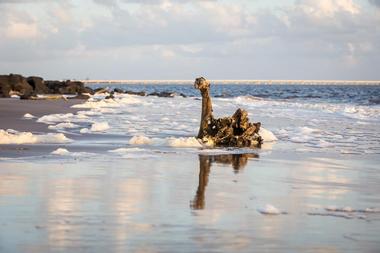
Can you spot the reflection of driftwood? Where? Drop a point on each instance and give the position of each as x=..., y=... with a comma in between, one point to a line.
x=238, y=161
x=234, y=131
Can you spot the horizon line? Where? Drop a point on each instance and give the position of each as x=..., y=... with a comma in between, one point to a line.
x=236, y=81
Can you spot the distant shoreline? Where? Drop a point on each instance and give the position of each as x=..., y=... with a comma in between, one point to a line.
x=236, y=82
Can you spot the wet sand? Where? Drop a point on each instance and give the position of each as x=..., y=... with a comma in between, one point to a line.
x=189, y=203
x=13, y=110
x=11, y=115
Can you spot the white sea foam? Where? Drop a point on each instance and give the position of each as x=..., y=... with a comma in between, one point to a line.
x=119, y=101
x=65, y=152
x=28, y=116
x=63, y=126
x=163, y=122
x=270, y=210
x=190, y=142
x=60, y=151
x=96, y=128
x=140, y=140
x=84, y=130
x=14, y=137
x=179, y=142
x=55, y=118
x=267, y=135
x=99, y=127
x=127, y=150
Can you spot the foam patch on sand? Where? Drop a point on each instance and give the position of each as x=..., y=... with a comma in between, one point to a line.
x=14, y=137
x=270, y=210
x=54, y=118
x=28, y=116
x=181, y=142
x=60, y=151
x=96, y=127
x=65, y=152
x=140, y=140
x=63, y=126
x=99, y=127
x=119, y=101
x=267, y=135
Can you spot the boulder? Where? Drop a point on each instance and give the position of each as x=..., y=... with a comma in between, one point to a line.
x=67, y=87
x=137, y=93
x=16, y=83
x=165, y=94
x=38, y=84
x=118, y=90
x=71, y=87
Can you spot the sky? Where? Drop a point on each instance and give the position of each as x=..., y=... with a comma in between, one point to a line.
x=183, y=39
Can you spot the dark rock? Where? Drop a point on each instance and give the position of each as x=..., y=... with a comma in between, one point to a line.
x=54, y=86
x=15, y=83
x=165, y=94
x=38, y=84
x=118, y=90
x=67, y=87
x=137, y=93
x=71, y=87
x=26, y=87
x=88, y=90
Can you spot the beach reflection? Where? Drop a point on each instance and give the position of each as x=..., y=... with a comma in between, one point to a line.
x=237, y=161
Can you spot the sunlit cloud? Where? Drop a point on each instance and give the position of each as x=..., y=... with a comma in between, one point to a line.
x=271, y=41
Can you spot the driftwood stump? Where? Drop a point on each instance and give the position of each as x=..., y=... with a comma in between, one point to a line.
x=234, y=131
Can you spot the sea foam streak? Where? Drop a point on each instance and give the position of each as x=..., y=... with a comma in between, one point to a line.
x=269, y=209
x=14, y=137
x=181, y=142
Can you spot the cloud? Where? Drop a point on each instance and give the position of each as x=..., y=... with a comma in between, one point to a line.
x=375, y=2
x=172, y=39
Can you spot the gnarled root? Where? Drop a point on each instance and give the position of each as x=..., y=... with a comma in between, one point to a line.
x=234, y=131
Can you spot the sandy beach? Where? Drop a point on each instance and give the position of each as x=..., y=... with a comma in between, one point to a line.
x=12, y=112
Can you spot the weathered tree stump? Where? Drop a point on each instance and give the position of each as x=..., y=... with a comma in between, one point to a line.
x=234, y=131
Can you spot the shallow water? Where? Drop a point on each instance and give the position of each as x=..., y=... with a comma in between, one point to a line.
x=190, y=203
x=133, y=179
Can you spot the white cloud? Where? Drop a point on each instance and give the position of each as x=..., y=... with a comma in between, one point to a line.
x=21, y=31
x=328, y=8
x=224, y=37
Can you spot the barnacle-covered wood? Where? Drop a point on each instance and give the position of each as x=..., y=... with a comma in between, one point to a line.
x=234, y=131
